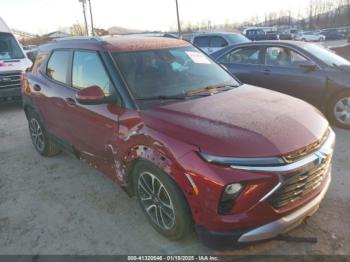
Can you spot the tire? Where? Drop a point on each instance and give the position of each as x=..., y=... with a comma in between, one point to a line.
x=42, y=143
x=165, y=206
x=339, y=109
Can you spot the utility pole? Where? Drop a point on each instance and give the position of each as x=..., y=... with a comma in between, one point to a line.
x=92, y=22
x=178, y=20
x=83, y=2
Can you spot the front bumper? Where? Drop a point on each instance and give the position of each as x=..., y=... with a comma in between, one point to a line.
x=266, y=231
x=288, y=222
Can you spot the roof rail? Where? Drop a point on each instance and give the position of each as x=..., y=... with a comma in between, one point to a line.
x=72, y=38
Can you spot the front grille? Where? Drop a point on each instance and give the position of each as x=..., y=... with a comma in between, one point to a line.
x=10, y=80
x=300, y=153
x=297, y=185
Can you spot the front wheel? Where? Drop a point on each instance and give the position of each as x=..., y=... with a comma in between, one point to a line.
x=162, y=201
x=339, y=110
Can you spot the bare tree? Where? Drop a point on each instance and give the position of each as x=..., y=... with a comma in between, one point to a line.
x=77, y=30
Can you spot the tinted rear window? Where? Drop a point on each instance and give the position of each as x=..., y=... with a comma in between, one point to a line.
x=57, y=67
x=9, y=48
x=201, y=41
x=217, y=41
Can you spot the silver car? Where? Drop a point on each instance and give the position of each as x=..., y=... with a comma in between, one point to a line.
x=214, y=41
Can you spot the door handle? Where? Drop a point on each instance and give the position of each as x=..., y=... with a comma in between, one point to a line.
x=37, y=87
x=70, y=101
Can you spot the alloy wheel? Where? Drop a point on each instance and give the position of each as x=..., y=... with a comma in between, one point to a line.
x=156, y=201
x=37, y=135
x=342, y=110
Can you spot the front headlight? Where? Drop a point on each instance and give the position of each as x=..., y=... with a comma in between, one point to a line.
x=242, y=161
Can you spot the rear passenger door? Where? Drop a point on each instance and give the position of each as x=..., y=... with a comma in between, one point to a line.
x=50, y=90
x=245, y=63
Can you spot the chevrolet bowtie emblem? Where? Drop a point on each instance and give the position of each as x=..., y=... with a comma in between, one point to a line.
x=322, y=157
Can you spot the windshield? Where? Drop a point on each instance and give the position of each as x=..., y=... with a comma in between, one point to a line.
x=326, y=56
x=170, y=72
x=9, y=48
x=237, y=38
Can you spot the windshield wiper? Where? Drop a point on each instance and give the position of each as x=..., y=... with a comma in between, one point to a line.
x=177, y=97
x=210, y=90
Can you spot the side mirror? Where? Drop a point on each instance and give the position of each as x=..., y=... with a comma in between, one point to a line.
x=308, y=66
x=32, y=55
x=92, y=95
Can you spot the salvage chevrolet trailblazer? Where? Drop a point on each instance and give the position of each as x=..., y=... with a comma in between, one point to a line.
x=198, y=148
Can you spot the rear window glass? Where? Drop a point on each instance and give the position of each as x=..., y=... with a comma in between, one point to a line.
x=201, y=41
x=217, y=41
x=9, y=48
x=57, y=67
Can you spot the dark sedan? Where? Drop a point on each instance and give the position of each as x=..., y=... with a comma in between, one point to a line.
x=303, y=70
x=332, y=34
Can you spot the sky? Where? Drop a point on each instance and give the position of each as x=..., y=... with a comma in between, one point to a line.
x=44, y=16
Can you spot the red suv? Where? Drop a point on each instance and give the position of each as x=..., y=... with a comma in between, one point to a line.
x=174, y=128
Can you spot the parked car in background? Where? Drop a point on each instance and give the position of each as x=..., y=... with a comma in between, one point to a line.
x=303, y=70
x=30, y=48
x=310, y=37
x=13, y=62
x=332, y=34
x=212, y=42
x=343, y=51
x=284, y=35
x=175, y=129
x=260, y=34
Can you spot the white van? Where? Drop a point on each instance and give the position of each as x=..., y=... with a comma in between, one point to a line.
x=13, y=61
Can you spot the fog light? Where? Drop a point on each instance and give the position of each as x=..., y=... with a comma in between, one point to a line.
x=229, y=194
x=233, y=189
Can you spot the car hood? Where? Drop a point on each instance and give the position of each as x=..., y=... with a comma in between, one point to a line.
x=244, y=122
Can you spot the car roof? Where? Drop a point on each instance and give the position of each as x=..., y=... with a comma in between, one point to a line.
x=273, y=42
x=128, y=43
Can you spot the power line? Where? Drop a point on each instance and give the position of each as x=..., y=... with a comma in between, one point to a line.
x=84, y=12
x=178, y=20
x=91, y=20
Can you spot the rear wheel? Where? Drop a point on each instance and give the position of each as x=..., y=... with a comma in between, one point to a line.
x=339, y=110
x=162, y=201
x=41, y=141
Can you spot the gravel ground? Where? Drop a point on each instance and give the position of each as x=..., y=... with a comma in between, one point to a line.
x=60, y=205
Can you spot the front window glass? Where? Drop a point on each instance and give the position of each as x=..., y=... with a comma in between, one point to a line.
x=281, y=56
x=170, y=72
x=9, y=48
x=326, y=56
x=88, y=71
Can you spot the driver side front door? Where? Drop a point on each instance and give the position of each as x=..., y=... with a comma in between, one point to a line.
x=93, y=128
x=282, y=72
